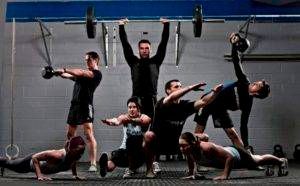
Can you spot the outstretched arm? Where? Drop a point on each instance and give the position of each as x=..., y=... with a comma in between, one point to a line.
x=124, y=119
x=181, y=92
x=162, y=47
x=73, y=73
x=208, y=98
x=239, y=72
x=127, y=49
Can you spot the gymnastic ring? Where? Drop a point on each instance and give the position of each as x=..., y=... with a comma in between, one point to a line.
x=11, y=146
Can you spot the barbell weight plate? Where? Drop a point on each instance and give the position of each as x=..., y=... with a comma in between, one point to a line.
x=197, y=21
x=90, y=23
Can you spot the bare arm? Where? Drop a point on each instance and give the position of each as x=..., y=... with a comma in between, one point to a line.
x=143, y=120
x=191, y=167
x=73, y=73
x=227, y=158
x=74, y=172
x=42, y=156
x=181, y=92
x=123, y=119
x=208, y=98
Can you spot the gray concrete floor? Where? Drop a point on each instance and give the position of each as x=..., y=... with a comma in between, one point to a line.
x=171, y=175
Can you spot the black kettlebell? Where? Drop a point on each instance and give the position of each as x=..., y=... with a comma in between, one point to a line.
x=48, y=72
x=278, y=152
x=297, y=152
x=241, y=44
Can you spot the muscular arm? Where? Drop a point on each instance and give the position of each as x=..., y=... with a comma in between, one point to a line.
x=73, y=73
x=143, y=120
x=127, y=49
x=123, y=119
x=208, y=98
x=222, y=155
x=42, y=156
x=181, y=92
x=239, y=72
x=162, y=47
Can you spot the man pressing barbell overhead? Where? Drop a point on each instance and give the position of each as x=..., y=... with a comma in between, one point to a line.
x=82, y=109
x=145, y=69
x=235, y=96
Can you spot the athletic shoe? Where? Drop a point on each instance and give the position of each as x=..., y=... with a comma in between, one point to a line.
x=283, y=169
x=156, y=168
x=150, y=175
x=128, y=173
x=93, y=168
x=103, y=164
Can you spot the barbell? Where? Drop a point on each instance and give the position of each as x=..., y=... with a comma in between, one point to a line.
x=91, y=21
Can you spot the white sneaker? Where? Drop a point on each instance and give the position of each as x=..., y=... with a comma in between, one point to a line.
x=93, y=168
x=128, y=173
x=156, y=168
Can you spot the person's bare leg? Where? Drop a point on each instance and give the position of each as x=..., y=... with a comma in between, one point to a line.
x=71, y=131
x=91, y=142
x=234, y=137
x=148, y=144
x=267, y=159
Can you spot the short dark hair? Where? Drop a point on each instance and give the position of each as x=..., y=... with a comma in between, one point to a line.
x=144, y=41
x=93, y=55
x=188, y=137
x=136, y=100
x=168, y=84
x=264, y=91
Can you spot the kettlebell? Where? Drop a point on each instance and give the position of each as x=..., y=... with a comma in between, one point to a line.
x=48, y=72
x=297, y=152
x=278, y=152
x=241, y=44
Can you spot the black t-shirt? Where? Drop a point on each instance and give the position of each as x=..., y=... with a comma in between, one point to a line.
x=84, y=88
x=168, y=124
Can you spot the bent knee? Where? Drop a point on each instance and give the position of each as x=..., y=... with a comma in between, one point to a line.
x=149, y=136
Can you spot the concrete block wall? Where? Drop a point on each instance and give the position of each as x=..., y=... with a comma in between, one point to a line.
x=41, y=106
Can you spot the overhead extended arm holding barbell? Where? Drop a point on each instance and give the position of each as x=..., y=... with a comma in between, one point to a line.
x=91, y=21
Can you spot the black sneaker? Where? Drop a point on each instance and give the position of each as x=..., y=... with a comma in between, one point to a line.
x=103, y=164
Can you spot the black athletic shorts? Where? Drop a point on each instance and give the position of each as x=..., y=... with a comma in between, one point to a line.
x=134, y=149
x=221, y=118
x=80, y=113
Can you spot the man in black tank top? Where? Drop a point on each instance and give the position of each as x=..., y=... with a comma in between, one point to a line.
x=82, y=109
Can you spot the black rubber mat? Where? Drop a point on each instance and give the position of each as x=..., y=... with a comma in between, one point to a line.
x=171, y=174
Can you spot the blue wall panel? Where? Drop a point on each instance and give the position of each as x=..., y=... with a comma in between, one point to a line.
x=75, y=10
